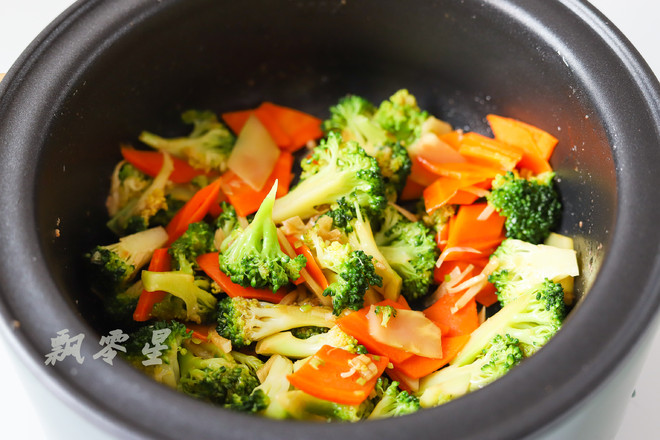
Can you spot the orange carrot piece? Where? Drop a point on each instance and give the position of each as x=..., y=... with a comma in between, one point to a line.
x=421, y=173
x=300, y=127
x=150, y=163
x=453, y=138
x=161, y=261
x=237, y=119
x=536, y=164
x=357, y=325
x=463, y=322
x=412, y=190
x=194, y=210
x=523, y=135
x=199, y=331
x=460, y=170
x=467, y=230
x=209, y=264
x=322, y=376
x=268, y=118
x=312, y=266
x=444, y=189
x=417, y=366
x=490, y=152
x=245, y=199
x=487, y=297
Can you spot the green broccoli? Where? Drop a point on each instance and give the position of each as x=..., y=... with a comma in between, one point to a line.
x=255, y=258
x=520, y=266
x=300, y=405
x=127, y=183
x=360, y=236
x=350, y=272
x=207, y=147
x=531, y=207
x=394, y=403
x=244, y=321
x=197, y=240
x=410, y=249
x=221, y=381
x=286, y=344
x=227, y=220
x=338, y=170
x=199, y=304
x=438, y=218
x=120, y=306
x=353, y=118
x=136, y=213
x=401, y=116
x=497, y=357
x=113, y=267
x=154, y=349
x=274, y=384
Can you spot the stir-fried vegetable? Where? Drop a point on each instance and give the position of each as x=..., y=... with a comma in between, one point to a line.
x=359, y=293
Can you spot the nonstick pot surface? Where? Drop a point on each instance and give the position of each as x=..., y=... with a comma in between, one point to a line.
x=107, y=70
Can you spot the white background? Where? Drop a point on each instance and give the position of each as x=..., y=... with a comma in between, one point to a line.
x=22, y=20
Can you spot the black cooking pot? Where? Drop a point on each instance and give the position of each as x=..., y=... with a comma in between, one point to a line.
x=104, y=71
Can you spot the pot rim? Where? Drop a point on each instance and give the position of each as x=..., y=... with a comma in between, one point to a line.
x=619, y=328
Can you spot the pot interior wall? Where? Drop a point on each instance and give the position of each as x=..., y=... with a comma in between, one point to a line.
x=216, y=55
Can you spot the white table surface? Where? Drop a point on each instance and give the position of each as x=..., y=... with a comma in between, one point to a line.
x=21, y=21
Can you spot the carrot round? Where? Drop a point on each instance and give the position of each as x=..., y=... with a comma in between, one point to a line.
x=160, y=262
x=326, y=376
x=209, y=264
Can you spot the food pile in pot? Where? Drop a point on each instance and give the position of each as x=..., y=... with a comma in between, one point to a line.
x=400, y=265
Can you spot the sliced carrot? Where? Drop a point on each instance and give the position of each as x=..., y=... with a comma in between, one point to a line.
x=194, y=210
x=161, y=261
x=460, y=170
x=326, y=376
x=445, y=189
x=412, y=190
x=453, y=138
x=488, y=296
x=199, y=331
x=417, y=366
x=483, y=150
x=245, y=199
x=466, y=230
x=290, y=129
x=357, y=325
x=463, y=322
x=209, y=264
x=237, y=119
x=312, y=266
x=523, y=135
x=536, y=164
x=150, y=163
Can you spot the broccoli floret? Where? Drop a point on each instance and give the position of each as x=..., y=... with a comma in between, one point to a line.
x=127, y=184
x=199, y=304
x=410, y=249
x=520, y=266
x=532, y=318
x=154, y=350
x=300, y=405
x=394, y=403
x=120, y=307
x=274, y=384
x=227, y=220
x=401, y=116
x=222, y=381
x=255, y=258
x=438, y=218
x=207, y=147
x=341, y=170
x=163, y=216
x=350, y=272
x=197, y=240
x=498, y=357
x=360, y=236
x=113, y=267
x=286, y=344
x=531, y=207
x=244, y=320
x=137, y=211
x=353, y=119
